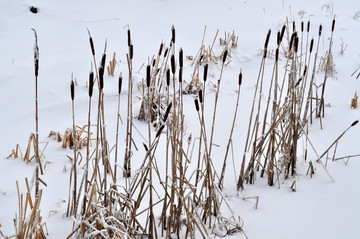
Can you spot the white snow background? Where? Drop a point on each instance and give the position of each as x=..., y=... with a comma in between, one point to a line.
x=319, y=208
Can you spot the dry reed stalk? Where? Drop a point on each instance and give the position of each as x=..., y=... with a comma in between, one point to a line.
x=117, y=127
x=221, y=180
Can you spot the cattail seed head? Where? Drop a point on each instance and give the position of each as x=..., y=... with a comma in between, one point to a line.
x=36, y=67
x=265, y=53
x=282, y=32
x=159, y=131
x=294, y=27
x=72, y=90
x=320, y=30
x=206, y=67
x=91, y=83
x=277, y=55
x=180, y=74
x=168, y=77
x=92, y=46
x=333, y=25
x=181, y=53
x=302, y=26
x=167, y=112
x=225, y=55
x=278, y=38
x=148, y=75
x=173, y=34
x=201, y=96
x=305, y=70
x=354, y=123
x=173, y=67
x=196, y=105
x=101, y=77
x=166, y=52
x=103, y=61
x=240, y=78
x=120, y=83
x=145, y=147
x=296, y=44
x=308, y=26
x=131, y=51
x=292, y=39
x=311, y=44
x=267, y=38
x=153, y=63
x=129, y=37
x=161, y=48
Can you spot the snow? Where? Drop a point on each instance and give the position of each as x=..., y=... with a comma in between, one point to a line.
x=319, y=208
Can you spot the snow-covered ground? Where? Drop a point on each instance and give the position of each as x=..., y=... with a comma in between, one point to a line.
x=319, y=208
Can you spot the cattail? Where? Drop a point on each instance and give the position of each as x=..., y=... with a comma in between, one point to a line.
x=296, y=44
x=282, y=32
x=201, y=57
x=311, y=44
x=180, y=74
x=294, y=27
x=201, y=95
x=145, y=147
x=92, y=46
x=292, y=40
x=298, y=81
x=277, y=54
x=206, y=72
x=161, y=48
x=72, y=90
x=91, y=83
x=36, y=55
x=120, y=83
x=181, y=53
x=278, y=38
x=129, y=37
x=308, y=26
x=101, y=77
x=354, y=123
x=305, y=70
x=173, y=34
x=173, y=68
x=320, y=30
x=302, y=26
x=265, y=53
x=333, y=25
x=159, y=131
x=148, y=77
x=36, y=67
x=225, y=55
x=167, y=112
x=267, y=38
x=103, y=61
x=240, y=77
x=131, y=51
x=166, y=52
x=196, y=104
x=168, y=77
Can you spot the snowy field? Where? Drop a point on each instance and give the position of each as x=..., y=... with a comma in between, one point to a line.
x=320, y=207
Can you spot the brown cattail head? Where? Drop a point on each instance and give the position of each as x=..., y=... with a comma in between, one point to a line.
x=161, y=48
x=92, y=46
x=354, y=123
x=72, y=90
x=206, y=72
x=277, y=55
x=278, y=38
x=265, y=53
x=298, y=82
x=333, y=25
x=36, y=67
x=131, y=51
x=167, y=112
x=311, y=44
x=173, y=34
x=159, y=131
x=294, y=27
x=168, y=77
x=201, y=96
x=305, y=70
x=240, y=78
x=302, y=26
x=282, y=32
x=129, y=37
x=103, y=61
x=91, y=83
x=180, y=74
x=145, y=147
x=120, y=83
x=296, y=44
x=173, y=67
x=267, y=38
x=166, y=52
x=196, y=105
x=308, y=26
x=101, y=77
x=320, y=30
x=224, y=56
x=153, y=63
x=292, y=39
x=148, y=76
x=36, y=54
x=181, y=53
